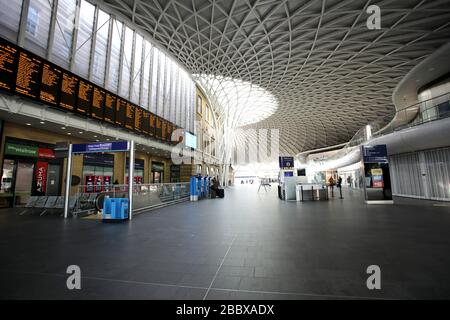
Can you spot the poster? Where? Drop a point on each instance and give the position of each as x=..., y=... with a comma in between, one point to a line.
x=41, y=177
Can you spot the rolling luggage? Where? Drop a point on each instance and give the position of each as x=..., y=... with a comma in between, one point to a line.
x=221, y=193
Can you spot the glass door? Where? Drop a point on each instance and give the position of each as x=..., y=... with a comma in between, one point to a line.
x=23, y=182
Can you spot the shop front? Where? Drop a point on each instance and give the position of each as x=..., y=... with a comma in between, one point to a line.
x=175, y=173
x=29, y=169
x=139, y=165
x=157, y=172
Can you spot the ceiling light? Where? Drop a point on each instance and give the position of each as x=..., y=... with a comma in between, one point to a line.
x=41, y=122
x=68, y=133
x=28, y=124
x=80, y=132
x=64, y=128
x=95, y=136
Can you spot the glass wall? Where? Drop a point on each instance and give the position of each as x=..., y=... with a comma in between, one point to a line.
x=84, y=39
x=104, y=49
x=38, y=26
x=62, y=36
x=10, y=18
x=101, y=46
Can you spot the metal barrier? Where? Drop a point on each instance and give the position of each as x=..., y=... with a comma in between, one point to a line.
x=145, y=196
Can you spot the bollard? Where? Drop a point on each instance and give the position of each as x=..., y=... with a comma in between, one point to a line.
x=340, y=192
x=301, y=189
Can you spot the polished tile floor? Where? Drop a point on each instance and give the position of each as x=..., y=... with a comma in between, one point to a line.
x=248, y=245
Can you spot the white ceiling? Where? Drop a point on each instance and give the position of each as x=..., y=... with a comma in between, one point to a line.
x=328, y=72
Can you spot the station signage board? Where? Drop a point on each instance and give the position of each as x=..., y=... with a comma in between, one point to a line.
x=116, y=146
x=286, y=162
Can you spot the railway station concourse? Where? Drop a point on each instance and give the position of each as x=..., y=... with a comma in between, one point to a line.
x=224, y=150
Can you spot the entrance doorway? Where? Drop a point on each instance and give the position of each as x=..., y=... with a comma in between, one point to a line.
x=157, y=172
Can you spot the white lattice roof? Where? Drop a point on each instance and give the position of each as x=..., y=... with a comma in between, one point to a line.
x=328, y=72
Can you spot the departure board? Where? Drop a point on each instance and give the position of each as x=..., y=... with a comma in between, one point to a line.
x=145, y=121
x=158, y=133
x=98, y=103
x=84, y=97
x=110, y=108
x=163, y=130
x=152, y=124
x=50, y=84
x=169, y=132
x=69, y=88
x=121, y=107
x=8, y=66
x=138, y=119
x=129, y=116
x=28, y=75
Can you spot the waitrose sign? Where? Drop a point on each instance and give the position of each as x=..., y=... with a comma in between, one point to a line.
x=14, y=149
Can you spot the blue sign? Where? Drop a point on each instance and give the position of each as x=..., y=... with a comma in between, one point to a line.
x=375, y=154
x=286, y=162
x=115, y=146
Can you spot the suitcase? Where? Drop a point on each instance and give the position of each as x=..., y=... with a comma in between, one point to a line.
x=221, y=193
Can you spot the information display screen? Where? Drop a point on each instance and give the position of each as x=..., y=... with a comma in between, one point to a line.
x=69, y=88
x=158, y=124
x=8, y=66
x=163, y=130
x=145, y=121
x=26, y=74
x=129, y=116
x=110, y=108
x=138, y=119
x=50, y=84
x=84, y=97
x=169, y=132
x=152, y=124
x=121, y=107
x=98, y=103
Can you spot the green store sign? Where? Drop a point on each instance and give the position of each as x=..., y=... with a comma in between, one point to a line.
x=13, y=149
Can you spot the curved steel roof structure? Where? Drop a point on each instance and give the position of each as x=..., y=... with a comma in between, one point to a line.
x=330, y=74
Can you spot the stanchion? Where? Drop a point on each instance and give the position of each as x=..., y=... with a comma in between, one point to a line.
x=312, y=193
x=301, y=189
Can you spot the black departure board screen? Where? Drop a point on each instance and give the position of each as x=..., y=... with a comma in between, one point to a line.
x=110, y=108
x=152, y=124
x=69, y=88
x=145, y=121
x=50, y=84
x=121, y=107
x=158, y=132
x=129, y=116
x=163, y=130
x=84, y=97
x=8, y=66
x=98, y=103
x=138, y=119
x=28, y=75
x=169, y=131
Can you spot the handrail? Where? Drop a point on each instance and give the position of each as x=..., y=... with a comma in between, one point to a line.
x=416, y=114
